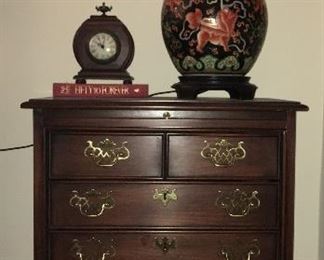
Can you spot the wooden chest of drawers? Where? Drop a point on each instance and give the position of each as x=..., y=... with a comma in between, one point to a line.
x=153, y=179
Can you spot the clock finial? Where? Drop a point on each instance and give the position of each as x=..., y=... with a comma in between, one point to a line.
x=104, y=8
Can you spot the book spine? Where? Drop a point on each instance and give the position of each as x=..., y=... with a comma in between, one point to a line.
x=99, y=90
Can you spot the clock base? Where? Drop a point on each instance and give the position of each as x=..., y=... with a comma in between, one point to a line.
x=82, y=76
x=238, y=87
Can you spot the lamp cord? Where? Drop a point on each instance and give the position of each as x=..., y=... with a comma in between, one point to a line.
x=161, y=93
x=16, y=148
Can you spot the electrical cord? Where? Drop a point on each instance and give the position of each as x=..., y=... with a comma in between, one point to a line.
x=16, y=148
x=161, y=93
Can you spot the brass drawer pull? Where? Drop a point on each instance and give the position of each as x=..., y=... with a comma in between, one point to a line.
x=246, y=252
x=106, y=153
x=165, y=195
x=238, y=203
x=165, y=244
x=221, y=153
x=92, y=249
x=92, y=204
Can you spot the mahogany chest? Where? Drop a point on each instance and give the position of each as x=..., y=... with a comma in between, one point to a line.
x=162, y=178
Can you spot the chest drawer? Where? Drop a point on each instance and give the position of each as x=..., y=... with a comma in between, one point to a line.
x=224, y=156
x=167, y=205
x=164, y=245
x=105, y=155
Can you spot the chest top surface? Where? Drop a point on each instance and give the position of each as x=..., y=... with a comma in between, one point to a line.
x=211, y=104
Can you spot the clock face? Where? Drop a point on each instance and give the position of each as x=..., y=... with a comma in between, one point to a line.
x=102, y=46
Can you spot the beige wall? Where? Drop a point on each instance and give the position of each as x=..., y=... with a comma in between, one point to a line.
x=35, y=50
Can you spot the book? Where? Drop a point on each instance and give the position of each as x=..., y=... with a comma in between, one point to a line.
x=99, y=90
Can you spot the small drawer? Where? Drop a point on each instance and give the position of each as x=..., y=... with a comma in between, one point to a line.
x=164, y=245
x=220, y=156
x=164, y=205
x=105, y=155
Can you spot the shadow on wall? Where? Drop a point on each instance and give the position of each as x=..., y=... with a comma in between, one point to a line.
x=321, y=224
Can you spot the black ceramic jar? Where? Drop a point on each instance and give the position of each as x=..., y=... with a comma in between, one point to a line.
x=214, y=41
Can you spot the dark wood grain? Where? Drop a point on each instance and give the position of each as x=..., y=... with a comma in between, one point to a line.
x=135, y=207
x=188, y=246
x=288, y=189
x=211, y=104
x=69, y=161
x=261, y=160
x=40, y=189
x=165, y=137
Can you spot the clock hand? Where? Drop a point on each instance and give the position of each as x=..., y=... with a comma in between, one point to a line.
x=102, y=46
x=102, y=42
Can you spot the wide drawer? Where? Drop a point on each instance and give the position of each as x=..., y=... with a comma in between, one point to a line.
x=105, y=155
x=224, y=156
x=167, y=205
x=164, y=245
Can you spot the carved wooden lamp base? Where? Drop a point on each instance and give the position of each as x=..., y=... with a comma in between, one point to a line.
x=238, y=87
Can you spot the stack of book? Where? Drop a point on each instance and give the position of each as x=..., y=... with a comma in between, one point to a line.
x=99, y=90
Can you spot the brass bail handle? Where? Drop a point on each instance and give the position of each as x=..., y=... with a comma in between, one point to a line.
x=92, y=204
x=92, y=249
x=247, y=252
x=106, y=153
x=238, y=203
x=222, y=153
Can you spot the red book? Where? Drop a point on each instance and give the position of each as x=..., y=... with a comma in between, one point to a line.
x=99, y=90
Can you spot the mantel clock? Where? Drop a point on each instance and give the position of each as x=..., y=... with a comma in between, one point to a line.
x=104, y=48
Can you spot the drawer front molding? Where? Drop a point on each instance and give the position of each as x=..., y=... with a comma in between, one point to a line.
x=238, y=203
x=222, y=153
x=163, y=244
x=96, y=155
x=92, y=249
x=147, y=205
x=93, y=203
x=237, y=156
x=106, y=153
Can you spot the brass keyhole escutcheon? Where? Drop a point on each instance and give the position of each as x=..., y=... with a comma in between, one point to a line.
x=165, y=195
x=165, y=244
